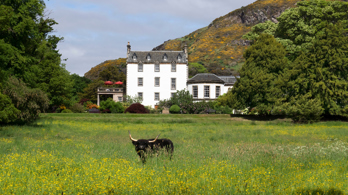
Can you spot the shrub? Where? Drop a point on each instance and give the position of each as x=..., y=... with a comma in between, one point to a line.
x=200, y=107
x=67, y=111
x=136, y=108
x=90, y=105
x=114, y=107
x=58, y=110
x=8, y=112
x=175, y=109
x=77, y=108
x=223, y=109
x=31, y=102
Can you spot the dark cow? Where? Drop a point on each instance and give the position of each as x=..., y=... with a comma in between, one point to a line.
x=164, y=143
x=142, y=146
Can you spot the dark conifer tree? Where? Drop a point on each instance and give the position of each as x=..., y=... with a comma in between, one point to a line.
x=265, y=61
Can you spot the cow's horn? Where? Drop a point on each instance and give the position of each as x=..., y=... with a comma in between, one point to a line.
x=135, y=140
x=154, y=139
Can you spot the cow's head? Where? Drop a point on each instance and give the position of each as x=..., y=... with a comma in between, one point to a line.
x=141, y=144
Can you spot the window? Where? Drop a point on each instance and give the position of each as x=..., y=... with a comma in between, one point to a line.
x=140, y=81
x=165, y=57
x=206, y=92
x=157, y=97
x=217, y=91
x=157, y=67
x=119, y=98
x=140, y=95
x=134, y=57
x=157, y=81
x=140, y=67
x=172, y=95
x=173, y=67
x=148, y=57
x=179, y=57
x=195, y=91
x=173, y=84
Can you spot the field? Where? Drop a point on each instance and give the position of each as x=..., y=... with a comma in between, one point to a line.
x=214, y=154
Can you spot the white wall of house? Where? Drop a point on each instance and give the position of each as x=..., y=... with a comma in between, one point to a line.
x=148, y=74
x=212, y=90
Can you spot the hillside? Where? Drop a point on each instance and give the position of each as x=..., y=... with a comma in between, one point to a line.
x=94, y=72
x=219, y=46
x=221, y=42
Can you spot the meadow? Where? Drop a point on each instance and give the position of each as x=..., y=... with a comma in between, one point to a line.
x=214, y=154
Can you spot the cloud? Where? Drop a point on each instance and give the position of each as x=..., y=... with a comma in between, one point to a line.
x=95, y=31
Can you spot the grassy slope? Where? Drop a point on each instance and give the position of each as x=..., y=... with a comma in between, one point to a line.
x=218, y=43
x=91, y=154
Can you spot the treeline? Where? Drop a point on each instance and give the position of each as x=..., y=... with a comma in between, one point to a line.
x=33, y=78
x=297, y=67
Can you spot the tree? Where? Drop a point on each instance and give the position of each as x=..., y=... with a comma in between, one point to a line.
x=322, y=72
x=112, y=73
x=265, y=61
x=195, y=68
x=79, y=83
x=298, y=27
x=90, y=92
x=30, y=102
x=28, y=51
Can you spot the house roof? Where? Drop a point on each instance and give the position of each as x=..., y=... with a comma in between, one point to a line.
x=229, y=79
x=157, y=56
x=212, y=78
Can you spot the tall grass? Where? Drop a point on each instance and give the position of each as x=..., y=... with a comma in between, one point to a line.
x=92, y=154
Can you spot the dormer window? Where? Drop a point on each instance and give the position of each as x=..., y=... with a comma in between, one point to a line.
x=165, y=57
x=148, y=57
x=134, y=57
x=179, y=57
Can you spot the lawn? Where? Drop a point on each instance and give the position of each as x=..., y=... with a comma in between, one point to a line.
x=214, y=154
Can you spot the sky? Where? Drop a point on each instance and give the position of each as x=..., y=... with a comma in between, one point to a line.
x=98, y=30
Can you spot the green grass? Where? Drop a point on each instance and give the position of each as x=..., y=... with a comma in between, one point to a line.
x=214, y=154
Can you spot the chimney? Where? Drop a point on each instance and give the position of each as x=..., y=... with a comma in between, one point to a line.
x=185, y=51
x=128, y=49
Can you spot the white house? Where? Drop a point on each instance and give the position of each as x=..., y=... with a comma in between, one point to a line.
x=208, y=86
x=156, y=75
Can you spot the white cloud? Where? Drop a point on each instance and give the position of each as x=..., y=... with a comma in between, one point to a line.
x=95, y=31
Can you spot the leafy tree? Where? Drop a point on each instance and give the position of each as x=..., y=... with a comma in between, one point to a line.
x=79, y=83
x=30, y=102
x=322, y=72
x=302, y=108
x=298, y=27
x=112, y=73
x=90, y=92
x=182, y=97
x=267, y=27
x=28, y=51
x=265, y=61
x=195, y=68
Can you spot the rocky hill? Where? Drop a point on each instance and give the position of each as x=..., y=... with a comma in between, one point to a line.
x=221, y=42
x=94, y=72
x=219, y=46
